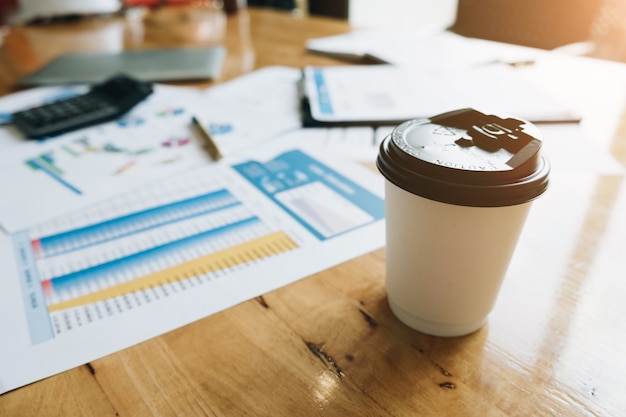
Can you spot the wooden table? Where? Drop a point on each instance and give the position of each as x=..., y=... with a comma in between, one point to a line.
x=328, y=345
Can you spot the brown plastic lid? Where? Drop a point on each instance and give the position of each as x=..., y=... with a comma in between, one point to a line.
x=466, y=157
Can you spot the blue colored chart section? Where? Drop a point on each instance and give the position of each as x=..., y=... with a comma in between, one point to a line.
x=234, y=225
x=147, y=257
x=295, y=169
x=134, y=223
x=325, y=105
x=45, y=163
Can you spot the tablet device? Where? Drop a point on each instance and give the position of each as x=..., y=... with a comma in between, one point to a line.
x=175, y=64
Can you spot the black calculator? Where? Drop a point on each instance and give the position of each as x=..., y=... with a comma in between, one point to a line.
x=103, y=102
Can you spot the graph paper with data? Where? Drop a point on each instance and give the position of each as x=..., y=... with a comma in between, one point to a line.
x=159, y=256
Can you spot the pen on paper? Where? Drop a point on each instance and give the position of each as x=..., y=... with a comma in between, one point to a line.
x=207, y=140
x=515, y=64
x=125, y=167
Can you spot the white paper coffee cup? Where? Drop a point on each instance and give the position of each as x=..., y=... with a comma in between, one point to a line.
x=458, y=189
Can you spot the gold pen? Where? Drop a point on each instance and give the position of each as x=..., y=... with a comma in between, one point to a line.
x=207, y=140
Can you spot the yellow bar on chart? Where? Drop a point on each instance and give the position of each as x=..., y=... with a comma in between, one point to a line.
x=263, y=247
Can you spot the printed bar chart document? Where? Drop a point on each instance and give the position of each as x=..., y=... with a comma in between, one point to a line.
x=97, y=280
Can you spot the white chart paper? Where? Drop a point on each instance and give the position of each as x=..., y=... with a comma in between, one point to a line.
x=154, y=140
x=95, y=281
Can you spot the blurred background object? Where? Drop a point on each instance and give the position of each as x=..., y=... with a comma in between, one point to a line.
x=402, y=14
x=329, y=8
x=30, y=10
x=7, y=9
x=192, y=24
x=608, y=31
x=596, y=28
x=536, y=23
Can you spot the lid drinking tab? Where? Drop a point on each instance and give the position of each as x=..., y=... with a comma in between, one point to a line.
x=467, y=157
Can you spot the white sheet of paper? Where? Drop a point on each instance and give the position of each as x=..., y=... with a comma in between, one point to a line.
x=364, y=93
x=103, y=278
x=259, y=105
x=429, y=51
x=570, y=150
x=154, y=140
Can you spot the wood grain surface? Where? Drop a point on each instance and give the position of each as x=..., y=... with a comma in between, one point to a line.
x=328, y=345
